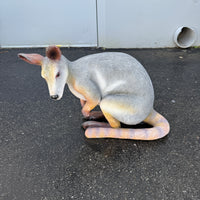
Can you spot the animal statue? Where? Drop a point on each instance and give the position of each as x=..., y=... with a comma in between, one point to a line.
x=116, y=82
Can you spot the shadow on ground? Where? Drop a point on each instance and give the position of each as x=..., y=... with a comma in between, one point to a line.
x=45, y=156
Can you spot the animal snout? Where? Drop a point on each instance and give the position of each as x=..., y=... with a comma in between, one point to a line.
x=54, y=97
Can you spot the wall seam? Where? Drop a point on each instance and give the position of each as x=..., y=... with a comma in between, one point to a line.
x=97, y=24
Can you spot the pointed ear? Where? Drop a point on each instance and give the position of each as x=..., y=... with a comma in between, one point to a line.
x=35, y=59
x=53, y=53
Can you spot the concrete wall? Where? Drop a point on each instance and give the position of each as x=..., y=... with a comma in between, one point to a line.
x=30, y=23
x=145, y=23
x=103, y=23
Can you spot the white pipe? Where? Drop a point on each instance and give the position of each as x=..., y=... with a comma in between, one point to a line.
x=185, y=37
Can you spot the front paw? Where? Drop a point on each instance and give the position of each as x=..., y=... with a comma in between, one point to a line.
x=85, y=113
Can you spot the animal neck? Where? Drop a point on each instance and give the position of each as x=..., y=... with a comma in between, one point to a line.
x=69, y=69
x=67, y=64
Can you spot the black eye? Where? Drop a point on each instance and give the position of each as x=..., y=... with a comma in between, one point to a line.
x=58, y=74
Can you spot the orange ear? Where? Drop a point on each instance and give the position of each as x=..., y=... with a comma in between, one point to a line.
x=53, y=53
x=35, y=59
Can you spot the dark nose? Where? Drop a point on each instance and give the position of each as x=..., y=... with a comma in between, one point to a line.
x=54, y=96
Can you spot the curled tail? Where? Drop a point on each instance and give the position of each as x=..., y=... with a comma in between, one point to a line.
x=160, y=129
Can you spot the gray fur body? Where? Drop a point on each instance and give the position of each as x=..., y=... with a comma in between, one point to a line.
x=114, y=77
x=116, y=82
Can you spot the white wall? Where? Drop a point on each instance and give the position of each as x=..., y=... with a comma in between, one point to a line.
x=103, y=23
x=145, y=23
x=43, y=22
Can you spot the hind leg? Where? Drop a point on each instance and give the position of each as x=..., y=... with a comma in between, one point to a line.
x=114, y=123
x=122, y=108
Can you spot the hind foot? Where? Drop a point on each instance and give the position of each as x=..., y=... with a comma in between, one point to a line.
x=94, y=115
x=92, y=124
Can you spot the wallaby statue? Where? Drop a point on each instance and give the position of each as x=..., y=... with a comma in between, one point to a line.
x=116, y=82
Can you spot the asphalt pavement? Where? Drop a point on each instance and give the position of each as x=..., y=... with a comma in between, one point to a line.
x=44, y=154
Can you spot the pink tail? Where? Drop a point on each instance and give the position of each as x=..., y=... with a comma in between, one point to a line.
x=160, y=129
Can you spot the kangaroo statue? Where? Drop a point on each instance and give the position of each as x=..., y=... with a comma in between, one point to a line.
x=116, y=82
